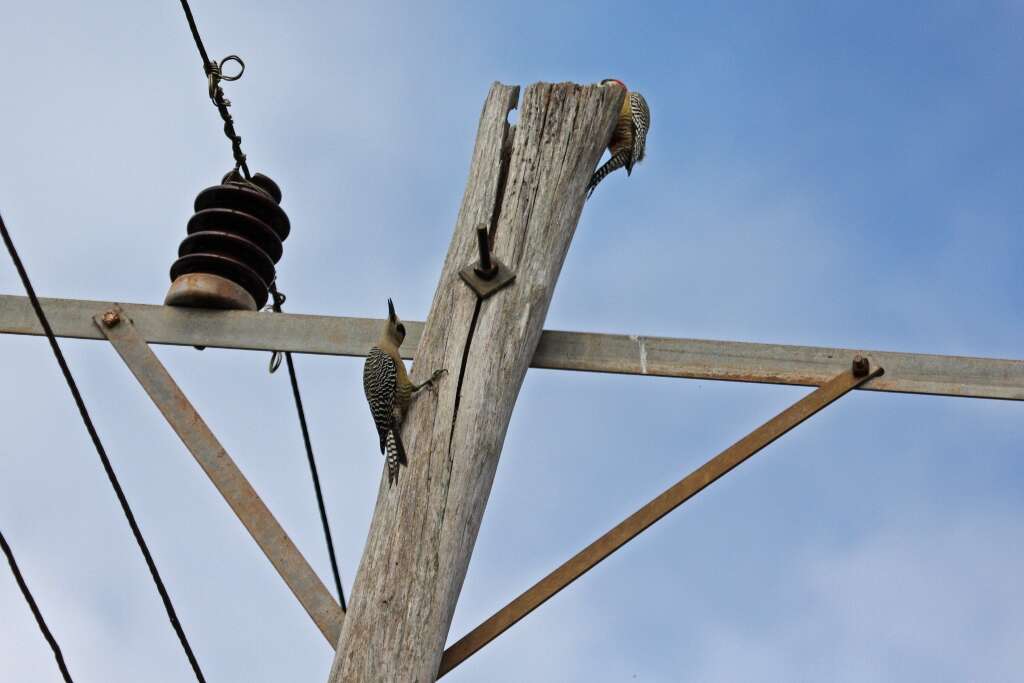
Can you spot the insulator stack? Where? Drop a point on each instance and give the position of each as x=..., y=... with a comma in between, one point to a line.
x=234, y=241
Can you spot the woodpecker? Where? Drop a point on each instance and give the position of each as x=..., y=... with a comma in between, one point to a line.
x=389, y=391
x=629, y=140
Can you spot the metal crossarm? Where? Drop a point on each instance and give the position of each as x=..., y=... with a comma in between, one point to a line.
x=117, y=327
x=668, y=501
x=914, y=373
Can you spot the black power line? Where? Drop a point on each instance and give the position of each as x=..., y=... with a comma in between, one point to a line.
x=35, y=609
x=278, y=299
x=107, y=467
x=316, y=482
x=214, y=75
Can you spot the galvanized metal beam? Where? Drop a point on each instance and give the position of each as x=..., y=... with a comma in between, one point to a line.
x=116, y=325
x=665, y=503
x=913, y=373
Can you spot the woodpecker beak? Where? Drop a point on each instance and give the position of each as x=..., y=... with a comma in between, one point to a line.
x=391, y=310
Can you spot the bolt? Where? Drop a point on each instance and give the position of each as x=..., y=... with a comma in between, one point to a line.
x=111, y=318
x=860, y=366
x=486, y=270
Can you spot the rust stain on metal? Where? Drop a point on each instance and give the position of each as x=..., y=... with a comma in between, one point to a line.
x=225, y=475
x=111, y=318
x=669, y=500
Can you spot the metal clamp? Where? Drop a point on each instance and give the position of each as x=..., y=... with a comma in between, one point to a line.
x=490, y=274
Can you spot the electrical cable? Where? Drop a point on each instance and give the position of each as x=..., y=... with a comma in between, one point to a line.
x=278, y=298
x=215, y=74
x=27, y=594
x=107, y=467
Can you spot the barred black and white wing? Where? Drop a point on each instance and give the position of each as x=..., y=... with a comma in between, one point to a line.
x=380, y=376
x=380, y=379
x=641, y=124
x=629, y=140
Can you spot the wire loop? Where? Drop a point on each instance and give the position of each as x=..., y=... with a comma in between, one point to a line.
x=214, y=71
x=215, y=74
x=241, y=67
x=275, y=361
x=277, y=301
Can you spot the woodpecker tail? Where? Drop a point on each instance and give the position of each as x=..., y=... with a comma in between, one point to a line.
x=623, y=158
x=395, y=455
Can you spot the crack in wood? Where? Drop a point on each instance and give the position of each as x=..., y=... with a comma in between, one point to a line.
x=529, y=189
x=505, y=159
x=499, y=198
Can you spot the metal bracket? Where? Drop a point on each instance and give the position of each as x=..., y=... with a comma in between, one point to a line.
x=860, y=371
x=490, y=274
x=304, y=583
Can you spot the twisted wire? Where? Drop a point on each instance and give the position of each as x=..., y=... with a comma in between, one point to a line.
x=214, y=75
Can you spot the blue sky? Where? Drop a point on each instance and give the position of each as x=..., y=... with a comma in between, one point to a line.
x=841, y=174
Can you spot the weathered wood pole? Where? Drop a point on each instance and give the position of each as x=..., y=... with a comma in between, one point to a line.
x=530, y=193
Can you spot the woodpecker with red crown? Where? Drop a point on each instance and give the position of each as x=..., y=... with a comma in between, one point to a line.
x=628, y=145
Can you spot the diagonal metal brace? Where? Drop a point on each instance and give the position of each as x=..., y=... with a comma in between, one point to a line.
x=223, y=472
x=861, y=371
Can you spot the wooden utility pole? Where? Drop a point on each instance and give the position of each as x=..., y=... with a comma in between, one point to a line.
x=528, y=187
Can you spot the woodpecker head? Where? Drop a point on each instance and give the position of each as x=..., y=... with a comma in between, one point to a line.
x=614, y=81
x=394, y=330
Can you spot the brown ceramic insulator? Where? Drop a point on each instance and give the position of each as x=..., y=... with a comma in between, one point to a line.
x=250, y=200
x=205, y=290
x=234, y=241
x=260, y=180
x=230, y=245
x=226, y=267
x=238, y=223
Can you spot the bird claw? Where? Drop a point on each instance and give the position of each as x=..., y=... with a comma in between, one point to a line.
x=431, y=383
